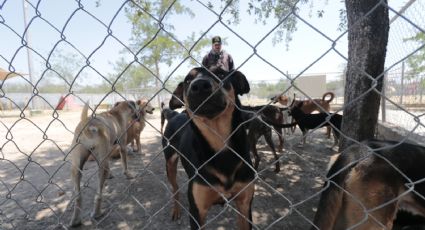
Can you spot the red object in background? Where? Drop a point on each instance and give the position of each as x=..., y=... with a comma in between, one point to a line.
x=61, y=103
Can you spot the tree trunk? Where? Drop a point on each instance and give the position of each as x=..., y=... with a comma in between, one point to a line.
x=368, y=26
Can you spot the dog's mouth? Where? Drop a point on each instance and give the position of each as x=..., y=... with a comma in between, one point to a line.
x=150, y=111
x=213, y=106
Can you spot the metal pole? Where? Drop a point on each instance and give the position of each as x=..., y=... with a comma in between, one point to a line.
x=383, y=97
x=402, y=84
x=29, y=55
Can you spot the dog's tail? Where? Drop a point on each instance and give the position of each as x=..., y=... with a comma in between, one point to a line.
x=332, y=95
x=84, y=113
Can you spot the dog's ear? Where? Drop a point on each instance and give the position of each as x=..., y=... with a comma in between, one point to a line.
x=132, y=104
x=176, y=100
x=139, y=102
x=240, y=83
x=299, y=104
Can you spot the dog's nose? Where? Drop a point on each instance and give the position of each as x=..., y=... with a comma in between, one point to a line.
x=201, y=86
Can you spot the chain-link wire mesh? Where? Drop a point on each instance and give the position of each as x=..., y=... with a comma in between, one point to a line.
x=44, y=137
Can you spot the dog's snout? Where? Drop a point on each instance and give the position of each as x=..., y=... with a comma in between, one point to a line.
x=201, y=86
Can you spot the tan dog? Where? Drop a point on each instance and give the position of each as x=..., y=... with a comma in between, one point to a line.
x=309, y=106
x=97, y=136
x=133, y=133
x=134, y=129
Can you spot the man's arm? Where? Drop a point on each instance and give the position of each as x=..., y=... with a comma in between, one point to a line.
x=231, y=64
x=205, y=61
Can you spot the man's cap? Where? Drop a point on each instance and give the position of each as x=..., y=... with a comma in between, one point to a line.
x=216, y=39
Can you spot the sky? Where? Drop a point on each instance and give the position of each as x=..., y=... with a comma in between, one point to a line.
x=310, y=51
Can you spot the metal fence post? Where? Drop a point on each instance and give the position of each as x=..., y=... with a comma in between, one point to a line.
x=383, y=96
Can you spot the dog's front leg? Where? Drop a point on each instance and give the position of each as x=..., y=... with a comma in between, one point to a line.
x=243, y=204
x=138, y=144
x=201, y=198
x=268, y=137
x=336, y=138
x=171, y=166
x=304, y=137
x=280, y=137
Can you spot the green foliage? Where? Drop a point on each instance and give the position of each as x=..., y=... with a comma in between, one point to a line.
x=265, y=89
x=335, y=85
x=64, y=67
x=154, y=42
x=417, y=60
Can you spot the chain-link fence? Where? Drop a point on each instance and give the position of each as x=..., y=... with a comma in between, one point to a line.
x=56, y=57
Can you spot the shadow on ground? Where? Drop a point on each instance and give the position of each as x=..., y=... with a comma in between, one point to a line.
x=40, y=199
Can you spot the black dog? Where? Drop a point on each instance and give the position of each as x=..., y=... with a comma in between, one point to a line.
x=273, y=116
x=213, y=148
x=166, y=115
x=261, y=125
x=316, y=120
x=369, y=183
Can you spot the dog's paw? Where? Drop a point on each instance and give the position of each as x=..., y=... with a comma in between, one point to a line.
x=110, y=176
x=96, y=215
x=128, y=175
x=175, y=215
x=277, y=169
x=75, y=223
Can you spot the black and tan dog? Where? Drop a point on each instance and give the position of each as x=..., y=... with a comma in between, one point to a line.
x=166, y=115
x=212, y=145
x=273, y=115
x=316, y=120
x=259, y=125
x=309, y=106
x=98, y=136
x=369, y=183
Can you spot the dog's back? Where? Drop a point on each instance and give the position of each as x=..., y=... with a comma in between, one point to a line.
x=173, y=132
x=359, y=174
x=316, y=120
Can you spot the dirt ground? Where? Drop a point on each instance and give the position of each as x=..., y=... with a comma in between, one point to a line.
x=36, y=189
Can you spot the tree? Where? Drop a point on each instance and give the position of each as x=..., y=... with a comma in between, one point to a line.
x=64, y=67
x=416, y=61
x=152, y=39
x=368, y=27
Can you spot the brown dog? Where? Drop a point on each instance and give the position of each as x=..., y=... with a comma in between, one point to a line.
x=133, y=132
x=369, y=183
x=96, y=136
x=309, y=106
